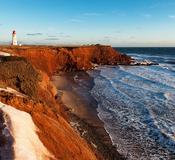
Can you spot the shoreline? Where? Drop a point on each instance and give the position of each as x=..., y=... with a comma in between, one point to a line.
x=81, y=109
x=34, y=66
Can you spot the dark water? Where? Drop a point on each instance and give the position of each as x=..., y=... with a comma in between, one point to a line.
x=137, y=104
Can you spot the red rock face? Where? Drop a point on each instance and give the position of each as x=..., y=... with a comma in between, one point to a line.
x=102, y=55
x=52, y=59
x=54, y=131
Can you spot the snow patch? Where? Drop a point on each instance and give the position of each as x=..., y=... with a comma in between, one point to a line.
x=27, y=144
x=4, y=54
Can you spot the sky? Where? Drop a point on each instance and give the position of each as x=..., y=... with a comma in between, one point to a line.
x=76, y=22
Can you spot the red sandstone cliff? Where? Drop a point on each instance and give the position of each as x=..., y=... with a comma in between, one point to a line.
x=54, y=131
x=51, y=59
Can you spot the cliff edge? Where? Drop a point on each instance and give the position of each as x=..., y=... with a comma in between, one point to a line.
x=25, y=85
x=51, y=59
x=28, y=91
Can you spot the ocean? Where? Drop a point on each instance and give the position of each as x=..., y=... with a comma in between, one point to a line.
x=137, y=104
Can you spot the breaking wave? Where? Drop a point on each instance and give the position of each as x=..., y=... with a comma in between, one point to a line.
x=137, y=106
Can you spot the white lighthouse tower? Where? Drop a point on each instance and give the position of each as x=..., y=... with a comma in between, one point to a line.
x=14, y=39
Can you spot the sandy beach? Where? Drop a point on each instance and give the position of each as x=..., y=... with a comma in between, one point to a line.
x=74, y=92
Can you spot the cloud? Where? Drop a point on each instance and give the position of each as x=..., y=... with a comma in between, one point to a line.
x=84, y=15
x=162, y=5
x=52, y=39
x=116, y=31
x=74, y=20
x=51, y=28
x=155, y=5
x=61, y=33
x=92, y=14
x=172, y=16
x=52, y=36
x=132, y=37
x=66, y=36
x=138, y=28
x=119, y=13
x=34, y=34
x=107, y=37
x=147, y=15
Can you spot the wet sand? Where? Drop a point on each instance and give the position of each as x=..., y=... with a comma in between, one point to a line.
x=74, y=92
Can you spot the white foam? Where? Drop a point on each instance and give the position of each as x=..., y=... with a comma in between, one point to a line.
x=170, y=96
x=167, y=66
x=27, y=145
x=127, y=100
x=152, y=73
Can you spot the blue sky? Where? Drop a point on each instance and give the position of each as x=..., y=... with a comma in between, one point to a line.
x=74, y=22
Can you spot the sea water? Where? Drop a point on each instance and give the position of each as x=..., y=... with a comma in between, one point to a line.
x=137, y=104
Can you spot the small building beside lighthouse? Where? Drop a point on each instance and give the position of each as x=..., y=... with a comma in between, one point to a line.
x=14, y=38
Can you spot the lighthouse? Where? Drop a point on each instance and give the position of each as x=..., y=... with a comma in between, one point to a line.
x=14, y=39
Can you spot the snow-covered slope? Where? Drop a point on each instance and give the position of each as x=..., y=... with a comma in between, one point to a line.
x=4, y=54
x=27, y=145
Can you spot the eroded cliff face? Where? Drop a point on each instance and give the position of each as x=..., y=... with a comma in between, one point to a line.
x=52, y=59
x=53, y=130
x=29, y=74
